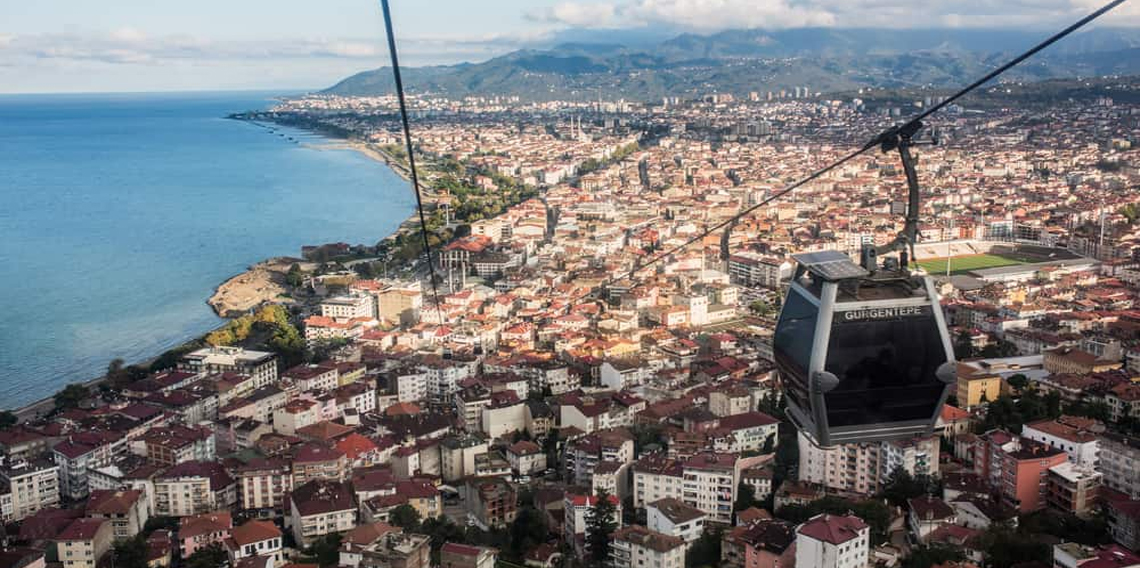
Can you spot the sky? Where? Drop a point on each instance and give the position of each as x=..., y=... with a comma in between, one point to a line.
x=69, y=46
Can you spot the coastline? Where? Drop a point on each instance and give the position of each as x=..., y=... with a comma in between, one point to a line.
x=262, y=281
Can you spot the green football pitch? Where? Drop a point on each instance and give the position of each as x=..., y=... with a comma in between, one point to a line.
x=961, y=264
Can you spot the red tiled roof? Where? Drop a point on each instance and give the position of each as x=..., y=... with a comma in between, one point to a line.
x=82, y=529
x=255, y=531
x=834, y=529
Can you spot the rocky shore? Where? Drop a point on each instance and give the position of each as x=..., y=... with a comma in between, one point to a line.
x=263, y=282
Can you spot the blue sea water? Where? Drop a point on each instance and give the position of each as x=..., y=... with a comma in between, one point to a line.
x=119, y=214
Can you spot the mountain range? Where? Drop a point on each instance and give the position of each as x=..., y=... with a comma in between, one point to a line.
x=741, y=61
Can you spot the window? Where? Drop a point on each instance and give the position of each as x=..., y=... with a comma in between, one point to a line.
x=792, y=344
x=885, y=369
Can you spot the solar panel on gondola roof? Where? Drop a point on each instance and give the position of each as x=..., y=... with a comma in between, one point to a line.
x=830, y=265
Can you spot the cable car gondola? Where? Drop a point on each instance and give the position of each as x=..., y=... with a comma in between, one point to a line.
x=863, y=357
x=862, y=349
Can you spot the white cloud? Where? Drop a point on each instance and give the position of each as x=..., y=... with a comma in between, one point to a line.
x=577, y=14
x=715, y=15
x=128, y=35
x=725, y=14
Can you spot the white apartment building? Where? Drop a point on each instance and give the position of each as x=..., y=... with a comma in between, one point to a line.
x=709, y=484
x=343, y=308
x=311, y=378
x=1120, y=462
x=863, y=467
x=457, y=456
x=503, y=416
x=263, y=484
x=638, y=547
x=125, y=510
x=321, y=507
x=753, y=269
x=674, y=518
x=832, y=541
x=296, y=414
x=255, y=538
x=261, y=366
x=444, y=375
x=30, y=487
x=411, y=387
x=84, y=542
x=656, y=477
x=75, y=457
x=1081, y=446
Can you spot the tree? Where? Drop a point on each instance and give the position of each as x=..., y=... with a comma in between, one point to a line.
x=406, y=517
x=161, y=523
x=705, y=551
x=7, y=419
x=71, y=396
x=528, y=531
x=902, y=486
x=963, y=346
x=1005, y=547
x=117, y=375
x=769, y=444
x=874, y=512
x=1018, y=382
x=295, y=277
x=745, y=497
x=130, y=553
x=213, y=556
x=326, y=549
x=600, y=525
x=927, y=556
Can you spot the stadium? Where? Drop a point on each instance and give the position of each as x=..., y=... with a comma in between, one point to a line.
x=995, y=261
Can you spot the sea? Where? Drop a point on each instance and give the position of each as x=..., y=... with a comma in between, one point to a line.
x=120, y=214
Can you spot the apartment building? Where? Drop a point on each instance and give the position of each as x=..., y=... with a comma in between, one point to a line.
x=321, y=507
x=382, y=545
x=583, y=454
x=673, y=517
x=576, y=506
x=260, y=366
x=457, y=455
x=317, y=461
x=80, y=453
x=349, y=307
x=976, y=386
x=263, y=484
x=255, y=538
x=526, y=457
x=709, y=482
x=126, y=510
x=763, y=543
x=833, y=541
x=490, y=502
x=656, y=477
x=1081, y=446
x=171, y=445
x=1120, y=462
x=635, y=546
x=1016, y=467
x=754, y=269
x=200, y=531
x=28, y=487
x=84, y=543
x=313, y=377
x=864, y=467
x=192, y=488
x=1072, y=488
